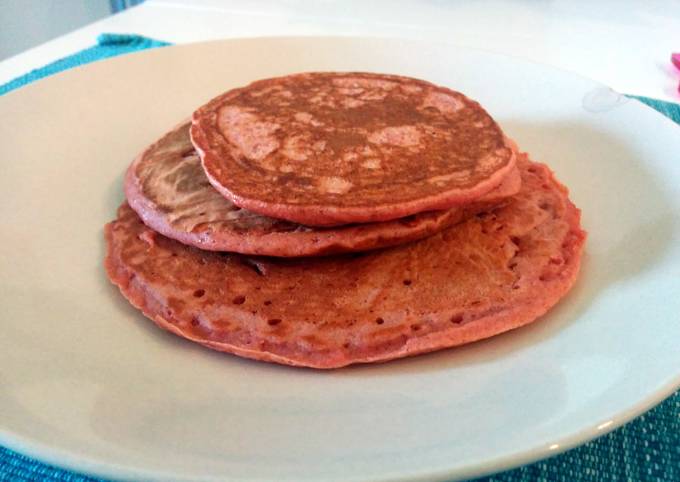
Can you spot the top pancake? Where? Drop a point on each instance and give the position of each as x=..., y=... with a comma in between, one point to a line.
x=333, y=148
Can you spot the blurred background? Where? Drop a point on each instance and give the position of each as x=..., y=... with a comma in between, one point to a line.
x=27, y=23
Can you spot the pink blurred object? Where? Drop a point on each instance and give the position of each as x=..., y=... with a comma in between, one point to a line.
x=675, y=58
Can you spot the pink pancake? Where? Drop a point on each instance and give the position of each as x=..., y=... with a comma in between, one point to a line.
x=168, y=189
x=327, y=149
x=492, y=273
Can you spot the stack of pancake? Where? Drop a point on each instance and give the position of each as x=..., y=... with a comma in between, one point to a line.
x=325, y=219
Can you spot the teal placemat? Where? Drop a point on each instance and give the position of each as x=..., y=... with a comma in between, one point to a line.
x=646, y=449
x=108, y=45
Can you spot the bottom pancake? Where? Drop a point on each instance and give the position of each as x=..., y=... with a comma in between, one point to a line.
x=496, y=271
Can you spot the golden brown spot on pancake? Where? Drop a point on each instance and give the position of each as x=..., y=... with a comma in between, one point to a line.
x=350, y=103
x=402, y=136
x=252, y=137
x=310, y=340
x=296, y=147
x=239, y=300
x=149, y=237
x=335, y=185
x=307, y=118
x=445, y=103
x=457, y=319
x=341, y=140
x=371, y=163
x=411, y=89
x=360, y=82
x=350, y=90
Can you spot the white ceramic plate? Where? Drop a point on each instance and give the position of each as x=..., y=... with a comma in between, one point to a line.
x=88, y=383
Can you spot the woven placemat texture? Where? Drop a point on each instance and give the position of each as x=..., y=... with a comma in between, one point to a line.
x=646, y=449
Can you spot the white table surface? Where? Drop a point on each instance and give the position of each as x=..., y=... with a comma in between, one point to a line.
x=625, y=44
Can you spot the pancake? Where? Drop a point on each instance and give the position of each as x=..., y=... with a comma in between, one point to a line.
x=168, y=189
x=327, y=149
x=494, y=272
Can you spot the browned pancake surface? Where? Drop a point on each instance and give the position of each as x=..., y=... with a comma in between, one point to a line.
x=492, y=273
x=334, y=148
x=168, y=189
